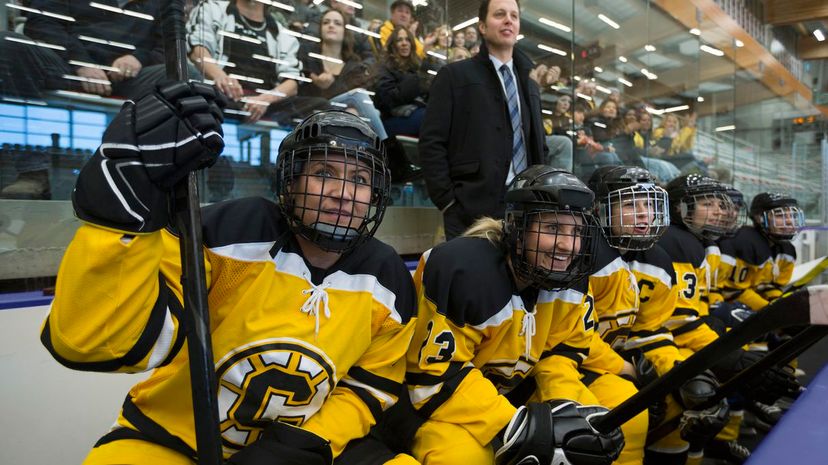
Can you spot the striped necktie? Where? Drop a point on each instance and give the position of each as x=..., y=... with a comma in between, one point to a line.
x=518, y=147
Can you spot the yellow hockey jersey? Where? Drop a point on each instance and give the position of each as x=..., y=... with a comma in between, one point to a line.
x=320, y=349
x=759, y=270
x=615, y=292
x=656, y=278
x=477, y=338
x=694, y=262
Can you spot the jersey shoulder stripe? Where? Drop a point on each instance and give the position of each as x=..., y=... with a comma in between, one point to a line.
x=682, y=246
x=654, y=262
x=469, y=282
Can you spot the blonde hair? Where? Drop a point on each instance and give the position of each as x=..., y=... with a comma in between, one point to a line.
x=487, y=228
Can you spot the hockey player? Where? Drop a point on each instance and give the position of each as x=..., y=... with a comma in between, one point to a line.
x=762, y=254
x=633, y=213
x=505, y=302
x=309, y=315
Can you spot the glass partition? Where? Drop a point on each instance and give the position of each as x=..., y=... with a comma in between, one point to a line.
x=655, y=83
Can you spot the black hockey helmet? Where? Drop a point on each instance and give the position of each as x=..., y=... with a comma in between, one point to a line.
x=700, y=203
x=777, y=214
x=737, y=214
x=550, y=228
x=332, y=180
x=642, y=211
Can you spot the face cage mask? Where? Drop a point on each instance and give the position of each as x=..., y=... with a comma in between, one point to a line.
x=782, y=223
x=714, y=225
x=654, y=215
x=333, y=197
x=544, y=240
x=735, y=218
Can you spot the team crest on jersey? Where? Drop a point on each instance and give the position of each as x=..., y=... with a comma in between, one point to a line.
x=277, y=379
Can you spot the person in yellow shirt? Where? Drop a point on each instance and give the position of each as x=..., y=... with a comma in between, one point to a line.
x=507, y=302
x=402, y=15
x=309, y=315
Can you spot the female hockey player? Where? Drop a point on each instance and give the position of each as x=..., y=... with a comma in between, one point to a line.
x=505, y=302
x=309, y=315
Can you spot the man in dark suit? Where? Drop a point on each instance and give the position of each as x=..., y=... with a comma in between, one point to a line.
x=472, y=142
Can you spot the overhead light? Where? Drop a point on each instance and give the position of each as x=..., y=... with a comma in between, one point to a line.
x=653, y=111
x=252, y=40
x=288, y=7
x=576, y=77
x=362, y=31
x=293, y=76
x=554, y=24
x=325, y=58
x=432, y=72
x=711, y=50
x=625, y=82
x=41, y=12
x=351, y=4
x=288, y=32
x=241, y=77
x=739, y=43
x=547, y=112
x=819, y=35
x=598, y=69
x=519, y=37
x=609, y=21
x=107, y=42
x=36, y=42
x=650, y=48
x=584, y=96
x=650, y=76
x=554, y=50
x=700, y=99
x=729, y=127
x=273, y=92
x=439, y=56
x=72, y=77
x=622, y=58
x=122, y=11
x=465, y=24
x=678, y=108
x=93, y=65
x=599, y=124
x=270, y=59
x=695, y=31
x=603, y=89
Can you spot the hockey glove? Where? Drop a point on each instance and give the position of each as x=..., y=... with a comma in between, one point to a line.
x=556, y=432
x=284, y=444
x=701, y=426
x=149, y=146
x=645, y=373
x=767, y=387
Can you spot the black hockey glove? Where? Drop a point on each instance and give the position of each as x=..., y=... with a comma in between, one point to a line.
x=557, y=432
x=732, y=314
x=767, y=387
x=284, y=444
x=645, y=373
x=701, y=426
x=149, y=146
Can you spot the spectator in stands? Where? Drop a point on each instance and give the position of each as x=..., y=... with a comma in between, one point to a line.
x=469, y=146
x=305, y=12
x=442, y=46
x=458, y=53
x=402, y=15
x=538, y=74
x=605, y=126
x=585, y=91
x=459, y=38
x=129, y=65
x=341, y=82
x=401, y=89
x=265, y=64
x=558, y=139
x=472, y=38
x=663, y=170
x=362, y=46
x=624, y=141
x=676, y=141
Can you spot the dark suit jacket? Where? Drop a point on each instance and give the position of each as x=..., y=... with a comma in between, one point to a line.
x=466, y=138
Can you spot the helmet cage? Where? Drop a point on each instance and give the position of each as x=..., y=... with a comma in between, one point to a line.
x=322, y=193
x=656, y=213
x=712, y=227
x=782, y=223
x=736, y=215
x=526, y=229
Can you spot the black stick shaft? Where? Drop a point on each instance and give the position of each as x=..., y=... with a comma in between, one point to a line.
x=187, y=213
x=791, y=310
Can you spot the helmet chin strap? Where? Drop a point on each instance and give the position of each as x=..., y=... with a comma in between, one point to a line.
x=339, y=233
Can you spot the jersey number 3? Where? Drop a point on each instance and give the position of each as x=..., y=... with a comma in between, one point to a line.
x=691, y=280
x=445, y=339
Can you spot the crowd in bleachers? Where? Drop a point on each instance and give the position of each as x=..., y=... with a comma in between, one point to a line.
x=279, y=66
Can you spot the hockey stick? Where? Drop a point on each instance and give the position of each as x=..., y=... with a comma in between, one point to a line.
x=781, y=355
x=187, y=211
x=803, y=307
